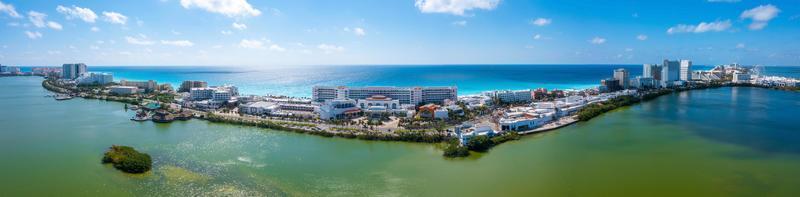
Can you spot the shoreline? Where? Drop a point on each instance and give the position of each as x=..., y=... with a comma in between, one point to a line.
x=331, y=130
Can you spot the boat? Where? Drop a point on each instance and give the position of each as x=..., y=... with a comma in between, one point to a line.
x=61, y=97
x=141, y=116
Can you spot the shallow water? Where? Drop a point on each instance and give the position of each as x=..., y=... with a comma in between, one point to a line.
x=717, y=142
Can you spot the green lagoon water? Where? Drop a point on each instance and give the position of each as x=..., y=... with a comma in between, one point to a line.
x=719, y=142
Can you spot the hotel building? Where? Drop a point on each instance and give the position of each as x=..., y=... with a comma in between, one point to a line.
x=509, y=96
x=187, y=86
x=621, y=75
x=686, y=70
x=670, y=73
x=405, y=95
x=148, y=85
x=95, y=78
x=72, y=71
x=652, y=71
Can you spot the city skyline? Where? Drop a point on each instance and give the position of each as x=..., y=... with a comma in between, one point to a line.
x=270, y=34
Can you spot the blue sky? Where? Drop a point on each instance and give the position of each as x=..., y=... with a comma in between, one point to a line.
x=272, y=33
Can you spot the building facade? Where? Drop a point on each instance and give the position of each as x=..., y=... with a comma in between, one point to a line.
x=187, y=86
x=124, y=90
x=148, y=85
x=670, y=73
x=339, y=109
x=518, y=96
x=621, y=75
x=609, y=85
x=95, y=79
x=72, y=71
x=652, y=70
x=686, y=70
x=405, y=95
x=643, y=83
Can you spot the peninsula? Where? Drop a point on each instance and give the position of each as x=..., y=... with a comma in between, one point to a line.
x=414, y=114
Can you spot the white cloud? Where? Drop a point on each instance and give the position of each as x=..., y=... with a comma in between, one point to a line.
x=251, y=44
x=277, y=48
x=229, y=8
x=54, y=25
x=724, y=1
x=177, y=43
x=740, y=46
x=330, y=48
x=628, y=49
x=239, y=26
x=37, y=18
x=33, y=35
x=597, y=40
x=177, y=33
x=716, y=26
x=226, y=32
x=537, y=37
x=139, y=40
x=541, y=21
x=115, y=18
x=95, y=29
x=85, y=14
x=641, y=37
x=359, y=31
x=460, y=23
x=9, y=9
x=760, y=16
x=456, y=7
x=93, y=47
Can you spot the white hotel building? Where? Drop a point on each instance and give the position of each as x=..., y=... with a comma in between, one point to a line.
x=405, y=95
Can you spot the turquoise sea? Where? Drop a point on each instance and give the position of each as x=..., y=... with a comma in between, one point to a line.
x=470, y=79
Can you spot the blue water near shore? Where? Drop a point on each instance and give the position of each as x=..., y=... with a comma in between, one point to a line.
x=470, y=79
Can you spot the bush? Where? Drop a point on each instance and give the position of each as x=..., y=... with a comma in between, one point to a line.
x=454, y=149
x=480, y=143
x=127, y=159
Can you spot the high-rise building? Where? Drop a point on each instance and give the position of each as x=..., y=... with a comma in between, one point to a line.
x=609, y=85
x=686, y=70
x=95, y=79
x=621, y=75
x=406, y=95
x=148, y=85
x=670, y=73
x=72, y=71
x=187, y=86
x=652, y=70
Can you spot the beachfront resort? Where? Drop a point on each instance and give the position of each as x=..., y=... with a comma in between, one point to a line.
x=423, y=114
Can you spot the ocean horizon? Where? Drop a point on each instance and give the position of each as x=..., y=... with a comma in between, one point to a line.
x=470, y=79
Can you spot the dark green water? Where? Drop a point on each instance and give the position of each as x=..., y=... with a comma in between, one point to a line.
x=720, y=142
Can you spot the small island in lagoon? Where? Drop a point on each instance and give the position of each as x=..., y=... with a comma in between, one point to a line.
x=128, y=160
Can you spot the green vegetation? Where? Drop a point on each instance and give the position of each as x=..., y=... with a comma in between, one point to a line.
x=454, y=149
x=595, y=109
x=480, y=143
x=127, y=159
x=308, y=128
